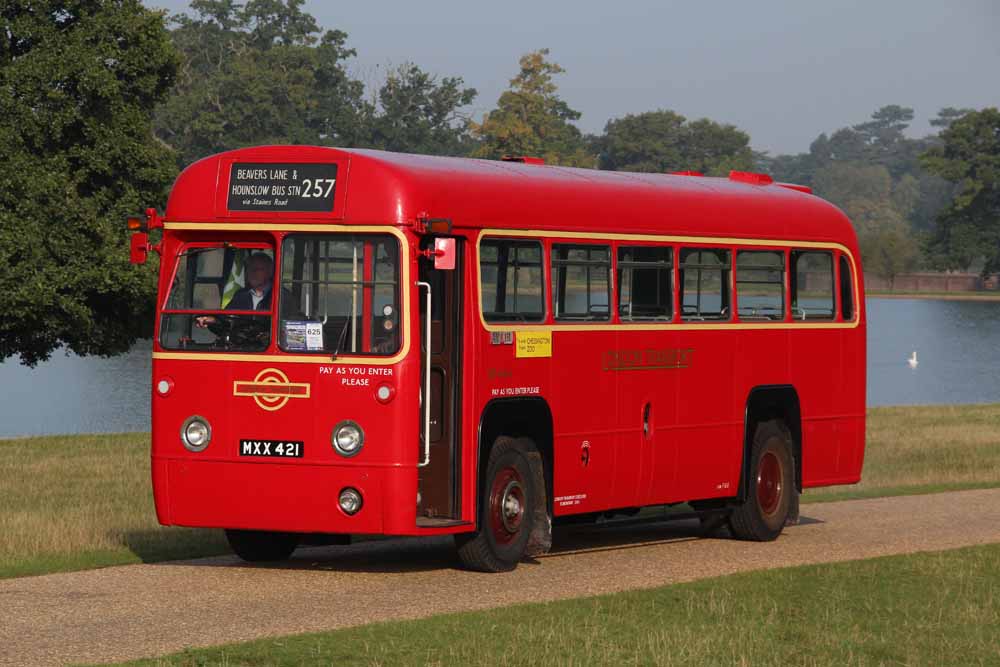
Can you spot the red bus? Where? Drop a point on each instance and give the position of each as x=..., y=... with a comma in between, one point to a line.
x=355, y=342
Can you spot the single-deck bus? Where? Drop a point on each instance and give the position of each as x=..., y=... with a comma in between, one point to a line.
x=355, y=342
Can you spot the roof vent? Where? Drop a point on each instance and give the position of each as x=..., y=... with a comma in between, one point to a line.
x=685, y=173
x=523, y=159
x=795, y=186
x=750, y=177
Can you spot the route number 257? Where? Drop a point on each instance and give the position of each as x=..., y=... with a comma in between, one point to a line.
x=315, y=188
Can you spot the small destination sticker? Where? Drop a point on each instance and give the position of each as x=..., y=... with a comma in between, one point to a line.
x=533, y=344
x=271, y=186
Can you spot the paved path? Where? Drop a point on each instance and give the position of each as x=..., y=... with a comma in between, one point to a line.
x=133, y=611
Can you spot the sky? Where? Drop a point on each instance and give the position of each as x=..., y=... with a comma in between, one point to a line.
x=782, y=70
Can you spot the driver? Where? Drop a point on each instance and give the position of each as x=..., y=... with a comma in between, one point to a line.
x=256, y=295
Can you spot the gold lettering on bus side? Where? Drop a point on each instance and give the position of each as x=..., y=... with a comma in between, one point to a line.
x=647, y=359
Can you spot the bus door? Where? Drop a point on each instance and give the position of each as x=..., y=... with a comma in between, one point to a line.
x=438, y=490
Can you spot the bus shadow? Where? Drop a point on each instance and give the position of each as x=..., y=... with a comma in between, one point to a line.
x=400, y=555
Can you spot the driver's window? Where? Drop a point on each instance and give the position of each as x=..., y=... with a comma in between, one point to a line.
x=220, y=299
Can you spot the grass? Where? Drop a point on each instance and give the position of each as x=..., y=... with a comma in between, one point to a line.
x=78, y=502
x=922, y=609
x=925, y=449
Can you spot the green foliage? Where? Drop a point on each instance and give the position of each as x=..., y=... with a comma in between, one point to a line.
x=418, y=114
x=258, y=73
x=877, y=206
x=78, y=83
x=969, y=157
x=531, y=119
x=662, y=141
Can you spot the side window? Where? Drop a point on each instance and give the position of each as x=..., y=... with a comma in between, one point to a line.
x=644, y=285
x=812, y=285
x=705, y=284
x=760, y=284
x=846, y=290
x=510, y=272
x=580, y=281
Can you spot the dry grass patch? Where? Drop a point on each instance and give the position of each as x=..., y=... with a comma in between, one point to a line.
x=69, y=502
x=926, y=448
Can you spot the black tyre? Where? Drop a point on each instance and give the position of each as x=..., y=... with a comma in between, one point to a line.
x=772, y=485
x=256, y=546
x=506, y=510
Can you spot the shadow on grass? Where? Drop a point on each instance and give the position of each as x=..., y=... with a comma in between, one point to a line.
x=167, y=544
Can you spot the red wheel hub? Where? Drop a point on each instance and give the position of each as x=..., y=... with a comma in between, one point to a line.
x=770, y=483
x=506, y=505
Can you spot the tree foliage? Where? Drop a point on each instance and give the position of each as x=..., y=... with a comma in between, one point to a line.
x=78, y=82
x=662, y=141
x=417, y=113
x=968, y=156
x=258, y=73
x=531, y=119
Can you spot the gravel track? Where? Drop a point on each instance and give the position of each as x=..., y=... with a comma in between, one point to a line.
x=120, y=613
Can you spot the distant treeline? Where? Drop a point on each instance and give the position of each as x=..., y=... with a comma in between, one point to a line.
x=105, y=101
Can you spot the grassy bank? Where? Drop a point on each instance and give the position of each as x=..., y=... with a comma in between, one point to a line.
x=78, y=502
x=923, y=609
x=925, y=449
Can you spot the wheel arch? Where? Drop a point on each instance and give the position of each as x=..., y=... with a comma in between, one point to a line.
x=764, y=403
x=528, y=417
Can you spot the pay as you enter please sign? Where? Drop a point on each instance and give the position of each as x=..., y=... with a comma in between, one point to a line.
x=533, y=344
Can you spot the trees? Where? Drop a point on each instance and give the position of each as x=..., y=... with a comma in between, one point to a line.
x=78, y=82
x=877, y=206
x=258, y=73
x=416, y=113
x=531, y=119
x=264, y=73
x=662, y=141
x=969, y=157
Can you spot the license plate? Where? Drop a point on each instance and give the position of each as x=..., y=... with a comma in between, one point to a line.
x=281, y=449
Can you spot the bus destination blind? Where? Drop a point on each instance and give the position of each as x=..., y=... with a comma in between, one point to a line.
x=279, y=187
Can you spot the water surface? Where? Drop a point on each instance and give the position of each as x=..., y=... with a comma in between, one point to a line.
x=957, y=344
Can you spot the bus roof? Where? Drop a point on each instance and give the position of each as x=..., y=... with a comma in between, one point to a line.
x=378, y=187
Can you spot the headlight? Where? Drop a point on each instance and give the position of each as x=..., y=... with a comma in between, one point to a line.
x=196, y=433
x=350, y=501
x=348, y=438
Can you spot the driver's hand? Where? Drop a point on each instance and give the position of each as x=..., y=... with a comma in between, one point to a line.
x=203, y=321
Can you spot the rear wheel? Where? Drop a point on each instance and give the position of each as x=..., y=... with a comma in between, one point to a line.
x=772, y=485
x=506, y=510
x=256, y=546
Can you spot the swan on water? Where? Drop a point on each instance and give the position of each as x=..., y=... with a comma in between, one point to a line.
x=912, y=361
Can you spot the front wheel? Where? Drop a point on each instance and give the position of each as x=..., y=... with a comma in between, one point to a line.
x=257, y=546
x=769, y=499
x=506, y=510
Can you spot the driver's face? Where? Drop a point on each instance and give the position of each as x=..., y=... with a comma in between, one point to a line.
x=259, y=273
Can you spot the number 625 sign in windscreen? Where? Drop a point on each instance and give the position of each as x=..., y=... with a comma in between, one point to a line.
x=281, y=187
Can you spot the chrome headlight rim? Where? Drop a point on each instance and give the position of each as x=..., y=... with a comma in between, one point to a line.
x=353, y=494
x=335, y=440
x=184, y=433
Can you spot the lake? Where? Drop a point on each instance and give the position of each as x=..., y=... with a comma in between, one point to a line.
x=957, y=345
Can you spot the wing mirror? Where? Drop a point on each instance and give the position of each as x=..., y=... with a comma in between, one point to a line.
x=138, y=248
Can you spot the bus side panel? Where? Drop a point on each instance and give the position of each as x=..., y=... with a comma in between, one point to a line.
x=852, y=439
x=584, y=427
x=647, y=464
x=817, y=366
x=709, y=432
